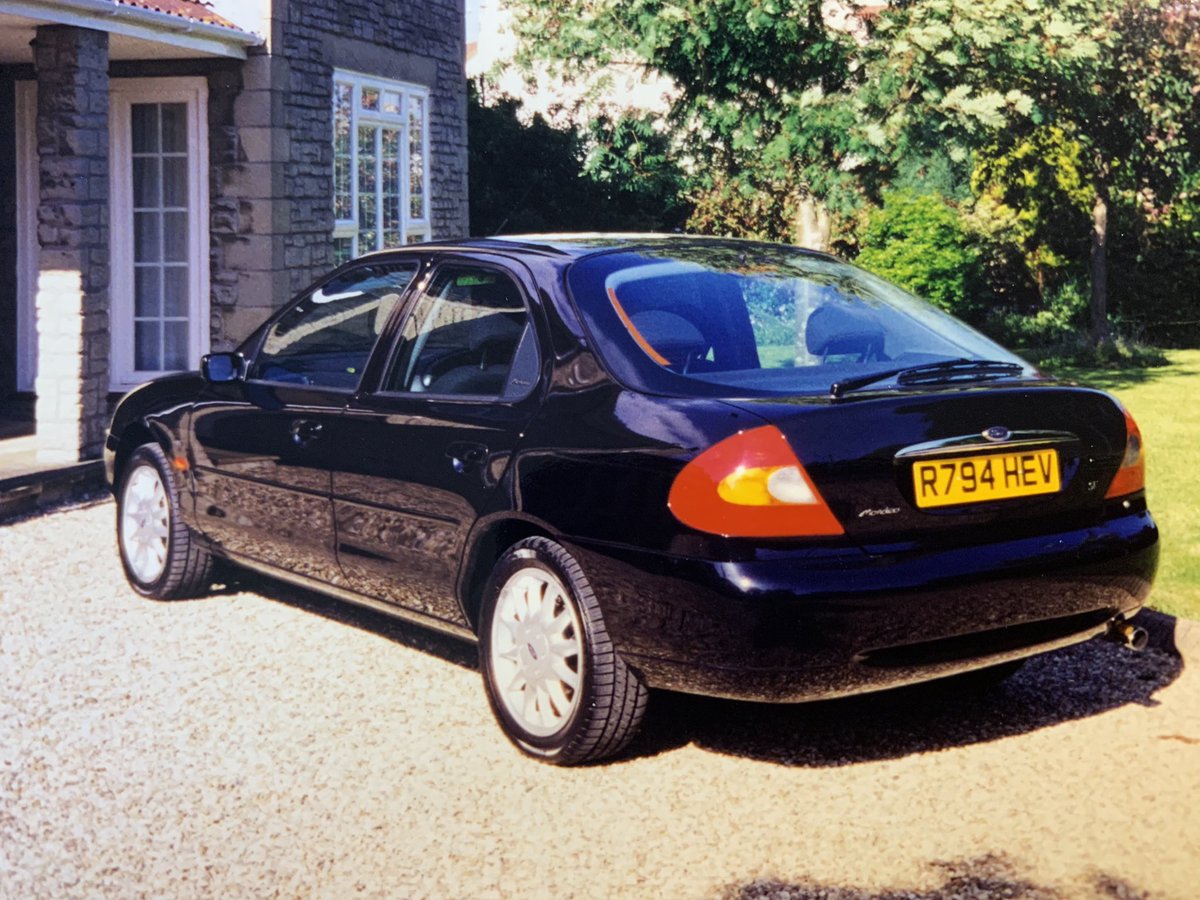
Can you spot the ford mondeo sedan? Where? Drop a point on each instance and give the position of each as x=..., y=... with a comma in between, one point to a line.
x=630, y=462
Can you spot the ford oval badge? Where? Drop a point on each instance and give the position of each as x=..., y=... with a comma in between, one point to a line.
x=997, y=433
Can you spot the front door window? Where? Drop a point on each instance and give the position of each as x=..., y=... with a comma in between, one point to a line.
x=326, y=337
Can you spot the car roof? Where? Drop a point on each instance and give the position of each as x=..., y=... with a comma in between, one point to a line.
x=570, y=246
x=585, y=243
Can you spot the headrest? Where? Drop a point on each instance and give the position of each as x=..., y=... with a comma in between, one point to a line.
x=838, y=328
x=665, y=331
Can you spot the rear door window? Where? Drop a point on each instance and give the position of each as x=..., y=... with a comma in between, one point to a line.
x=468, y=334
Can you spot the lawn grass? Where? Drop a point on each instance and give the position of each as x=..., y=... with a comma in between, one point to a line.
x=1164, y=401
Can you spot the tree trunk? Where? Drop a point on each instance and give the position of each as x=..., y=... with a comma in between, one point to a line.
x=813, y=231
x=813, y=226
x=1100, y=332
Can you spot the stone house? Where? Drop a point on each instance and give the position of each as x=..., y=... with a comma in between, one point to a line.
x=171, y=170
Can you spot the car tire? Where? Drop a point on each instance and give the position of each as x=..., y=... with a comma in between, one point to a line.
x=161, y=556
x=556, y=684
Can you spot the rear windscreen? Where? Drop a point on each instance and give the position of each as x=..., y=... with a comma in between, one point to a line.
x=757, y=319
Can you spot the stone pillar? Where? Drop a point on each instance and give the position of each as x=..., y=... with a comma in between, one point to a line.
x=73, y=275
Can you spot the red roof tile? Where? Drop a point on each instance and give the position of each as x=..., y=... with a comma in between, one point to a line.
x=184, y=9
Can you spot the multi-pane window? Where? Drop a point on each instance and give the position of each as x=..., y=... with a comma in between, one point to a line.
x=160, y=236
x=158, y=218
x=380, y=164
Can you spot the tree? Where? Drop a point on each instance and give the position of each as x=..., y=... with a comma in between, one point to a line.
x=1116, y=78
x=531, y=177
x=1034, y=194
x=751, y=115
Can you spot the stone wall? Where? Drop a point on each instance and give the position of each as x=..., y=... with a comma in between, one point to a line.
x=73, y=234
x=419, y=42
x=248, y=220
x=271, y=150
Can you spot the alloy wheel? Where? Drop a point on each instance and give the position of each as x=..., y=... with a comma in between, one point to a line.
x=145, y=524
x=537, y=651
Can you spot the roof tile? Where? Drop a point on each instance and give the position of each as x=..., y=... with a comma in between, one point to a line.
x=184, y=9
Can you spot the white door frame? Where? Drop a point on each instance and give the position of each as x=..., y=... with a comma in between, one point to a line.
x=122, y=94
x=27, y=241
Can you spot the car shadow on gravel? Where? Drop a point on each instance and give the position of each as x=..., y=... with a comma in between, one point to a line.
x=445, y=647
x=1074, y=683
x=992, y=875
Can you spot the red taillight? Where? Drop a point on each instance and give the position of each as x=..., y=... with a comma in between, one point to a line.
x=1131, y=477
x=751, y=485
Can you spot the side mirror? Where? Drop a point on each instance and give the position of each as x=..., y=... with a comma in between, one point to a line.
x=221, y=368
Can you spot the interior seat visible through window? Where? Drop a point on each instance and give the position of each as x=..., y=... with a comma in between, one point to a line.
x=464, y=336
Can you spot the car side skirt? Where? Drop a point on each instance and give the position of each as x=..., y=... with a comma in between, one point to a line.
x=451, y=629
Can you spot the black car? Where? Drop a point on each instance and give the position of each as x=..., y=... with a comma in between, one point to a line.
x=623, y=462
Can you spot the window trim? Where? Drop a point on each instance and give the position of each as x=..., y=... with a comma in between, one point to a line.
x=410, y=226
x=124, y=92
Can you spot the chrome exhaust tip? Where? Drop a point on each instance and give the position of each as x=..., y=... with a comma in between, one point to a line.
x=1131, y=636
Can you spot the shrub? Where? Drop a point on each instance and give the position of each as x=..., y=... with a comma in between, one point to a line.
x=920, y=242
x=1062, y=318
x=1079, y=352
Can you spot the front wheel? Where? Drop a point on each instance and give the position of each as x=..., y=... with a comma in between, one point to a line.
x=554, y=680
x=162, y=557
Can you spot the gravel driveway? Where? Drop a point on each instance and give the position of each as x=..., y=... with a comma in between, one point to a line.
x=266, y=742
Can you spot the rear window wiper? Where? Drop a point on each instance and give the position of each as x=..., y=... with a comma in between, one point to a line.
x=931, y=373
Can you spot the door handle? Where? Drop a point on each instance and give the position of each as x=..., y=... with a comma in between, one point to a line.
x=305, y=431
x=466, y=456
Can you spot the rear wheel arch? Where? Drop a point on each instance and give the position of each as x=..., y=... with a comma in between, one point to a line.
x=487, y=544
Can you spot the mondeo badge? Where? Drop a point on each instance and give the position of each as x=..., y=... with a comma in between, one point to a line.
x=997, y=433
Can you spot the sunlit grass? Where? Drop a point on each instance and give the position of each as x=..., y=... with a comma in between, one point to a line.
x=1164, y=401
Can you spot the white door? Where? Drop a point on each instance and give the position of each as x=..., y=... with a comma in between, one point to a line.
x=158, y=227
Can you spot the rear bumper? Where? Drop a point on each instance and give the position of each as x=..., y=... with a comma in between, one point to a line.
x=806, y=624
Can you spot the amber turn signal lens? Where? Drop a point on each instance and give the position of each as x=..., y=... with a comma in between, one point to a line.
x=1131, y=477
x=751, y=485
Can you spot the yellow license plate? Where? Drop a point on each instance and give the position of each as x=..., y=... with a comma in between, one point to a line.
x=978, y=479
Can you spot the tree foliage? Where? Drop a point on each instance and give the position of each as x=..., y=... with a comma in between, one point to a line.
x=532, y=178
x=1109, y=83
x=1065, y=131
x=749, y=115
x=1034, y=194
x=921, y=243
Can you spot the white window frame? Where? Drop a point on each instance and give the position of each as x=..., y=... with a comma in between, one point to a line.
x=125, y=92
x=27, y=242
x=410, y=226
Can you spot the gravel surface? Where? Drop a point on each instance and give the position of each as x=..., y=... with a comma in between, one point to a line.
x=266, y=741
